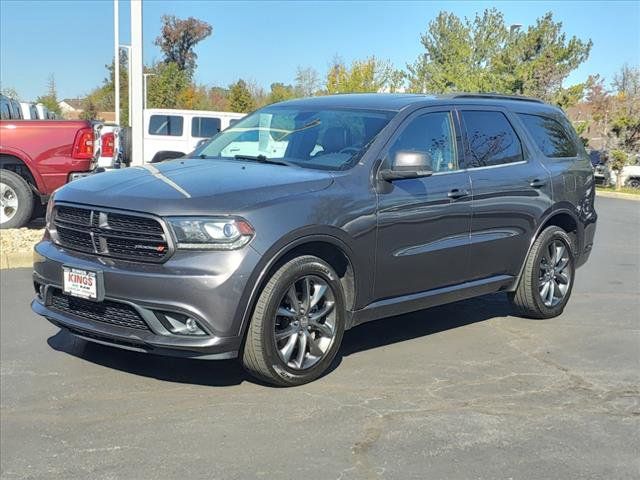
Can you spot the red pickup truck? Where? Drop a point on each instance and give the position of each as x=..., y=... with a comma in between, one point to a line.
x=36, y=157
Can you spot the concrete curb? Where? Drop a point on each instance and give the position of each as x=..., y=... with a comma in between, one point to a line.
x=626, y=196
x=16, y=260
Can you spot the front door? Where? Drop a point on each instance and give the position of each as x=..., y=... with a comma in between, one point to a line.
x=423, y=223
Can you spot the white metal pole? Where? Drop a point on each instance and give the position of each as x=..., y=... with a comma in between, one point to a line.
x=137, y=121
x=116, y=64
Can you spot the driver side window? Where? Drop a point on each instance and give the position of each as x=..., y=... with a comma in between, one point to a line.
x=432, y=133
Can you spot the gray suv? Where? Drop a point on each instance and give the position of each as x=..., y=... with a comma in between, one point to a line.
x=309, y=217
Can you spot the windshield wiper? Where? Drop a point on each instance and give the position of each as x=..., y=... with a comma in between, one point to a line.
x=261, y=159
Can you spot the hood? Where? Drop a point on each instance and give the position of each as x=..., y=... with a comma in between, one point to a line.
x=194, y=186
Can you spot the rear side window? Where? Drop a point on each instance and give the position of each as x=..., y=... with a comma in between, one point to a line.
x=169, y=125
x=205, y=127
x=491, y=139
x=549, y=135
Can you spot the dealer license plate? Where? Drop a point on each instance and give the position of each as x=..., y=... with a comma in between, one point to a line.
x=80, y=283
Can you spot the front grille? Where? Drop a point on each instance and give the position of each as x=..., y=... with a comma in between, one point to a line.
x=107, y=311
x=111, y=234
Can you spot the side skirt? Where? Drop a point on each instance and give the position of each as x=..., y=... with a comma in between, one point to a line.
x=417, y=301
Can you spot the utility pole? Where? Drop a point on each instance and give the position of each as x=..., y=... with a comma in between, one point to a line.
x=136, y=79
x=116, y=62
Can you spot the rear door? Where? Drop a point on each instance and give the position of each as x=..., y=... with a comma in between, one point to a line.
x=511, y=190
x=423, y=223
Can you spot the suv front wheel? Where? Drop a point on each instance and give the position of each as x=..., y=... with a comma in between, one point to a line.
x=547, y=278
x=297, y=325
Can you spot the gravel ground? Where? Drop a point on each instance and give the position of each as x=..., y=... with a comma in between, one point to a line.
x=20, y=240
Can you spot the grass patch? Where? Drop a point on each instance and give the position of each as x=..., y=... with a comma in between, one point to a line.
x=632, y=191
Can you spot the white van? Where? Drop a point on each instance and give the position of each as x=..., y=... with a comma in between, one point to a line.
x=172, y=133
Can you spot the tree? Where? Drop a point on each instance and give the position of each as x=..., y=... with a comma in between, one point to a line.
x=10, y=92
x=219, y=99
x=544, y=58
x=281, y=92
x=626, y=121
x=368, y=75
x=178, y=39
x=483, y=55
x=50, y=98
x=240, y=98
x=166, y=85
x=103, y=97
x=90, y=109
x=617, y=163
x=307, y=81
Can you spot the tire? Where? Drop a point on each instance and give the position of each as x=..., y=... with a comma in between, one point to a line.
x=17, y=200
x=527, y=299
x=262, y=355
x=634, y=182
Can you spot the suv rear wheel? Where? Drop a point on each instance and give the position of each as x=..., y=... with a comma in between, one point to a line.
x=297, y=325
x=16, y=200
x=547, y=279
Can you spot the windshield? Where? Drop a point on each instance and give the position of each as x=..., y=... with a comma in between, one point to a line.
x=322, y=139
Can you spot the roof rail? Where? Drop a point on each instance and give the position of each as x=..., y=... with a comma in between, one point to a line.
x=497, y=96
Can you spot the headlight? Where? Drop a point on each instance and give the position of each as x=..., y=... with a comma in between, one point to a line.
x=49, y=213
x=208, y=233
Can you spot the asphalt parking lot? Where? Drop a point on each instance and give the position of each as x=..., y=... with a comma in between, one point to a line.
x=455, y=392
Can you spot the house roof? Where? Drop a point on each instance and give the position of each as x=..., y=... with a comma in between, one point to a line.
x=75, y=103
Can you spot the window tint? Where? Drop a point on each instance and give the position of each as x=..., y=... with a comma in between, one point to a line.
x=205, y=127
x=492, y=140
x=549, y=135
x=431, y=133
x=165, y=125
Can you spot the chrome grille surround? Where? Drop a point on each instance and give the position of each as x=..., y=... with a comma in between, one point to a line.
x=111, y=233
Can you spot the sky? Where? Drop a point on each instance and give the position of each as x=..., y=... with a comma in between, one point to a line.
x=265, y=42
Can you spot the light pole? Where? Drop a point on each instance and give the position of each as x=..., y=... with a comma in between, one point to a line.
x=514, y=28
x=128, y=49
x=146, y=75
x=135, y=76
x=116, y=62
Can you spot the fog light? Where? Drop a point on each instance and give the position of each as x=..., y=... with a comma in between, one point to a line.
x=179, y=324
x=192, y=326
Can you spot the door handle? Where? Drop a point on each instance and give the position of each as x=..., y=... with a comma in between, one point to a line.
x=537, y=183
x=458, y=193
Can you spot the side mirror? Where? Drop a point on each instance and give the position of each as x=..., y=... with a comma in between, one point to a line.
x=408, y=164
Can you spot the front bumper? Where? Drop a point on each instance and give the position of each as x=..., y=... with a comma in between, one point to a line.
x=206, y=286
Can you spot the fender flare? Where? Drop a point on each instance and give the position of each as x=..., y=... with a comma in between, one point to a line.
x=548, y=216
x=277, y=251
x=27, y=161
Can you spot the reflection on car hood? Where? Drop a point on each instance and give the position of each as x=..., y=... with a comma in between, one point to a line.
x=194, y=186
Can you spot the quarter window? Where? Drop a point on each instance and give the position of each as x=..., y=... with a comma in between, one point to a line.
x=205, y=127
x=550, y=136
x=431, y=133
x=491, y=139
x=169, y=125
